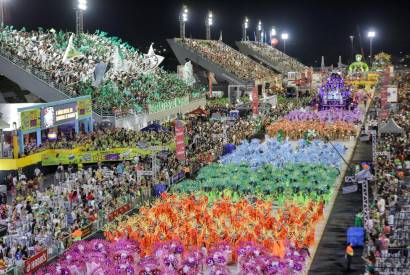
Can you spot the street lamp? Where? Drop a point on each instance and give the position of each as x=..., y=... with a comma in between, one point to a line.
x=208, y=23
x=245, y=27
x=371, y=35
x=284, y=36
x=352, y=47
x=2, y=13
x=81, y=7
x=259, y=32
x=183, y=18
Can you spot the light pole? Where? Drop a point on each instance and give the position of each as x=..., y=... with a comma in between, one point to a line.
x=259, y=32
x=352, y=47
x=208, y=23
x=245, y=28
x=183, y=18
x=284, y=36
x=272, y=34
x=371, y=35
x=2, y=12
x=79, y=14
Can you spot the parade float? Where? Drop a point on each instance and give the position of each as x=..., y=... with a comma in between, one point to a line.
x=334, y=93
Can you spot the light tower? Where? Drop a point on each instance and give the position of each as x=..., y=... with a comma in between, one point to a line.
x=371, y=35
x=284, y=36
x=351, y=47
x=259, y=32
x=208, y=23
x=2, y=13
x=79, y=14
x=183, y=18
x=245, y=27
x=272, y=35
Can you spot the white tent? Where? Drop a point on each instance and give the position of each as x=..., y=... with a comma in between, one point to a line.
x=391, y=127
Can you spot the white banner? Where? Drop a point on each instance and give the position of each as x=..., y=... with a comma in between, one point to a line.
x=392, y=94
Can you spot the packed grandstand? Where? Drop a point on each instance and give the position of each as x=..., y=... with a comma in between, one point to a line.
x=222, y=189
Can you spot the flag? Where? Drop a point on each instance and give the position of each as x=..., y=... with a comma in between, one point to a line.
x=118, y=60
x=70, y=52
x=180, y=139
x=98, y=74
x=188, y=74
x=151, y=60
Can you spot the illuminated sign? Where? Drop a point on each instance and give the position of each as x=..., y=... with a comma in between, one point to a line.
x=65, y=114
x=58, y=115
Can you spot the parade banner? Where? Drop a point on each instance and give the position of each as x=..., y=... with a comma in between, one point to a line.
x=255, y=101
x=34, y=263
x=167, y=105
x=119, y=211
x=30, y=119
x=180, y=136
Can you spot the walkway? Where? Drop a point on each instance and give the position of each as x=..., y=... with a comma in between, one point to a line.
x=329, y=258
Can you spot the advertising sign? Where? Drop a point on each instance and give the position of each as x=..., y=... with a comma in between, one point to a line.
x=180, y=138
x=75, y=156
x=166, y=105
x=255, y=101
x=34, y=263
x=30, y=119
x=119, y=211
x=86, y=231
x=84, y=108
x=58, y=115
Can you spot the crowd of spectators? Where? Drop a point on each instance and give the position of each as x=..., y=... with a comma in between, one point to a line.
x=389, y=224
x=231, y=60
x=42, y=216
x=131, y=82
x=284, y=62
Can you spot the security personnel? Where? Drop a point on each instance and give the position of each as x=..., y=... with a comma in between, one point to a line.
x=349, y=253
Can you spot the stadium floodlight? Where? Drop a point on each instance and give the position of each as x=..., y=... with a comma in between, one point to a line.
x=273, y=32
x=2, y=13
x=371, y=35
x=245, y=27
x=208, y=23
x=183, y=18
x=260, y=26
x=284, y=36
x=210, y=18
x=82, y=5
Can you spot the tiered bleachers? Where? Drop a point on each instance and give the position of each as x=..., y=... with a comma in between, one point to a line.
x=229, y=59
x=131, y=82
x=271, y=56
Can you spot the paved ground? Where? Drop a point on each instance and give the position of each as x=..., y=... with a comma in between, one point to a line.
x=329, y=258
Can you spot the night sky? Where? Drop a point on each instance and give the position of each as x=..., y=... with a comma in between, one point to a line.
x=315, y=28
